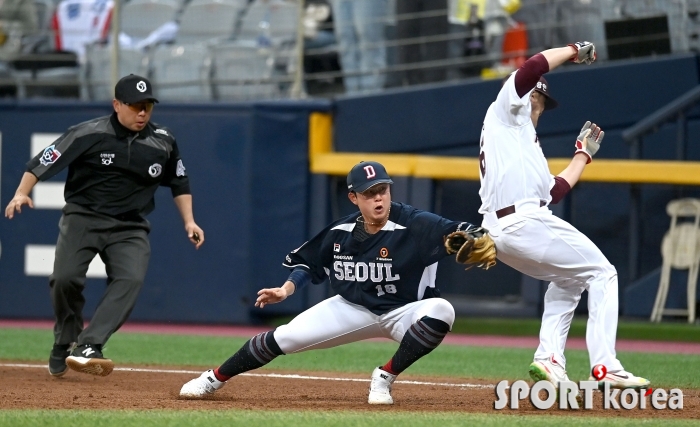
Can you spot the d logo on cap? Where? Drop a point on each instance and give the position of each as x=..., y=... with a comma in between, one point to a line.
x=141, y=86
x=367, y=174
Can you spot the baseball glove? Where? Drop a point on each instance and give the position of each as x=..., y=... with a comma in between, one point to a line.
x=473, y=247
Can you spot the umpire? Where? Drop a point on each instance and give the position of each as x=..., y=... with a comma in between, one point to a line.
x=115, y=164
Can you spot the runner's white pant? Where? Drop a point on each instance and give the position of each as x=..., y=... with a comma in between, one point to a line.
x=539, y=244
x=336, y=321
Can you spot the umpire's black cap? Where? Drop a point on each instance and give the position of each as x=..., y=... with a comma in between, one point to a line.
x=367, y=174
x=543, y=87
x=132, y=89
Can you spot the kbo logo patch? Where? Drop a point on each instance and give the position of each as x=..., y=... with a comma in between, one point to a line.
x=50, y=155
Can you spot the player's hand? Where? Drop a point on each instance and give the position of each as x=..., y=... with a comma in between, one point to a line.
x=16, y=205
x=270, y=296
x=195, y=234
x=585, y=53
x=588, y=141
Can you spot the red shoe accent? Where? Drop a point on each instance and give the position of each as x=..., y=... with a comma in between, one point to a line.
x=387, y=368
x=219, y=376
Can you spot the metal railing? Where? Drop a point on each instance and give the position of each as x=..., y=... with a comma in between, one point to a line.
x=460, y=49
x=675, y=111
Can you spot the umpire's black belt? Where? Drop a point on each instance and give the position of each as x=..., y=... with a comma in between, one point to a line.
x=511, y=210
x=128, y=216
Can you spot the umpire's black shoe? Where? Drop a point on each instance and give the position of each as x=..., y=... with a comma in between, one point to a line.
x=88, y=359
x=57, y=360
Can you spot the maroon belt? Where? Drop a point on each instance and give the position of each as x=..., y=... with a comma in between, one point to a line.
x=511, y=210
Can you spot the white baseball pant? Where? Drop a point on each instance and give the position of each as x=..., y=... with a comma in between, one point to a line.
x=336, y=321
x=537, y=243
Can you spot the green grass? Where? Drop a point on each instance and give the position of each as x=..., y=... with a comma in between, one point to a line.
x=389, y=418
x=637, y=330
x=457, y=362
x=627, y=329
x=491, y=363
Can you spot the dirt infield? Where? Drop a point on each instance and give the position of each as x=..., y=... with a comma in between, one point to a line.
x=29, y=386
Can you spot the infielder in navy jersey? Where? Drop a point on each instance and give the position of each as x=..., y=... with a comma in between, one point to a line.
x=381, y=263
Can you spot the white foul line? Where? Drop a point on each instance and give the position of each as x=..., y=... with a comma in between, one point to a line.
x=288, y=376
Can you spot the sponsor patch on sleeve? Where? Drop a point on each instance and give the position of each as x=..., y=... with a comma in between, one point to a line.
x=180, y=169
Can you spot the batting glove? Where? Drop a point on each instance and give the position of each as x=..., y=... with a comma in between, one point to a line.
x=585, y=53
x=588, y=141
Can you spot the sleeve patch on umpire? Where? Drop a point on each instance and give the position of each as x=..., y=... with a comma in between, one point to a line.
x=180, y=169
x=50, y=155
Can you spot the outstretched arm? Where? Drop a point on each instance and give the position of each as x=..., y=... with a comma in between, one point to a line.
x=558, y=55
x=274, y=295
x=572, y=173
x=530, y=72
x=587, y=144
x=299, y=278
x=21, y=197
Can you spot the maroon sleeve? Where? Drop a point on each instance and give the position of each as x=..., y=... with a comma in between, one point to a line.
x=561, y=187
x=529, y=74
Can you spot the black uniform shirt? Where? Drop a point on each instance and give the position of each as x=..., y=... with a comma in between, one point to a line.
x=113, y=170
x=392, y=268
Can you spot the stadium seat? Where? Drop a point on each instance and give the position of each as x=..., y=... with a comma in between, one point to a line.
x=281, y=19
x=97, y=71
x=140, y=17
x=284, y=18
x=249, y=29
x=182, y=73
x=240, y=72
x=204, y=20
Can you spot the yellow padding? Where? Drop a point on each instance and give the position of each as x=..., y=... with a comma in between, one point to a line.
x=637, y=171
x=341, y=163
x=467, y=168
x=442, y=167
x=320, y=133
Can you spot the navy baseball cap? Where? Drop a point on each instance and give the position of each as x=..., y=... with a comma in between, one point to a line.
x=543, y=87
x=132, y=89
x=367, y=174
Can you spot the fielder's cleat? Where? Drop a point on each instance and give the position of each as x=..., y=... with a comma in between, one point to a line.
x=622, y=379
x=548, y=370
x=380, y=388
x=201, y=386
x=57, y=360
x=88, y=359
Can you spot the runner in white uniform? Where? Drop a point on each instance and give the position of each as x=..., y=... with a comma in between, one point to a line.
x=516, y=187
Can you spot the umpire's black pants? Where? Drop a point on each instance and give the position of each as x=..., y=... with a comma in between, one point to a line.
x=124, y=248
